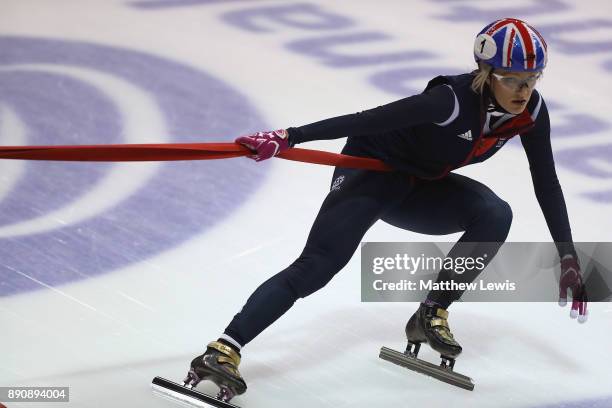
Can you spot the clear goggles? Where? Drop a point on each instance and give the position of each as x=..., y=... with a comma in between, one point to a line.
x=515, y=83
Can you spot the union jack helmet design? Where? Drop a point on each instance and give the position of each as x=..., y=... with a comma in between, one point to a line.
x=512, y=45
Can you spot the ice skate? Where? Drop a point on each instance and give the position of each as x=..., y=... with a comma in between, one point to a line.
x=218, y=364
x=429, y=325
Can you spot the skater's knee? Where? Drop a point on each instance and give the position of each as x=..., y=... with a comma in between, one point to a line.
x=310, y=287
x=497, y=214
x=309, y=282
x=309, y=273
x=501, y=213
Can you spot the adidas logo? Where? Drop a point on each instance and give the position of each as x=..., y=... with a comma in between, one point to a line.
x=467, y=135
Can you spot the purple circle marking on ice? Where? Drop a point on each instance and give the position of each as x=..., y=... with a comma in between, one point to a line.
x=604, y=402
x=179, y=201
x=65, y=118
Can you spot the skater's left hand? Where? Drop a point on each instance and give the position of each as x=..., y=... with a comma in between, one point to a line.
x=265, y=144
x=571, y=278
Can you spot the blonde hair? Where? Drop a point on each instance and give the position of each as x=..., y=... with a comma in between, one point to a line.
x=481, y=76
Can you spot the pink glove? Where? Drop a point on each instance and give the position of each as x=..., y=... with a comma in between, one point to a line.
x=265, y=144
x=571, y=278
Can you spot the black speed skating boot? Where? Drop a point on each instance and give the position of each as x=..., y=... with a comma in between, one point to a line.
x=429, y=325
x=218, y=364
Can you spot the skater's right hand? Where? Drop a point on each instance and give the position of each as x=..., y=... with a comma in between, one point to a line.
x=571, y=278
x=265, y=144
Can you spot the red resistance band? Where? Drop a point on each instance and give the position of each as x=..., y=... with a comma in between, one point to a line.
x=178, y=151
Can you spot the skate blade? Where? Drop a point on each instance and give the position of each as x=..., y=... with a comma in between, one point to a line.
x=427, y=368
x=186, y=396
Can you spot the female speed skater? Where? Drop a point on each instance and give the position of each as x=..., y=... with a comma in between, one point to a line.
x=458, y=120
